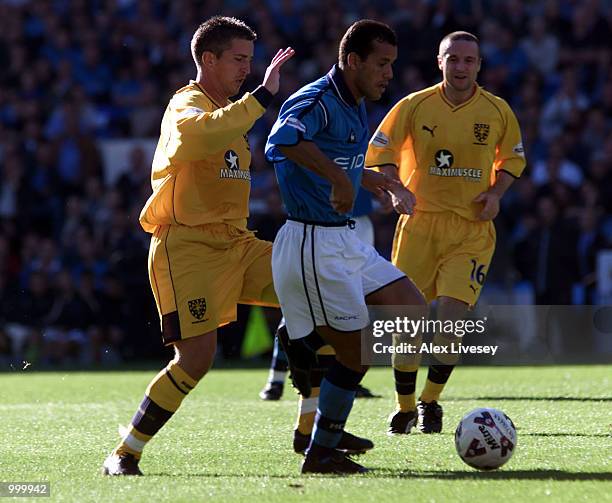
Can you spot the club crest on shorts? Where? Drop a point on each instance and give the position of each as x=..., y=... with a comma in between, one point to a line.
x=197, y=308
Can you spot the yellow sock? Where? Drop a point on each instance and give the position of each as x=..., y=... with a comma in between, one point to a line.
x=405, y=376
x=132, y=437
x=162, y=398
x=405, y=403
x=307, y=409
x=170, y=386
x=431, y=391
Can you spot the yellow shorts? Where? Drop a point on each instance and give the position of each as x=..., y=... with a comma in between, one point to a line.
x=444, y=254
x=199, y=274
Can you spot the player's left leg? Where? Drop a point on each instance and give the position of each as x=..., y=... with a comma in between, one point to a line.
x=429, y=410
x=403, y=293
x=307, y=408
x=415, y=254
x=466, y=254
x=334, y=405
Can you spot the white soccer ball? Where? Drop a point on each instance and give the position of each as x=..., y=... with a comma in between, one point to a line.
x=485, y=438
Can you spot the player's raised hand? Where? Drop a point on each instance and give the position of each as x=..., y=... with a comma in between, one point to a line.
x=271, y=79
x=490, y=202
x=342, y=194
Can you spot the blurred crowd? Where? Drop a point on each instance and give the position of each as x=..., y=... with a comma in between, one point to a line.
x=73, y=282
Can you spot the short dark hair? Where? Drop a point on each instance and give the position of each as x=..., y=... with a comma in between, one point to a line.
x=459, y=35
x=359, y=37
x=215, y=35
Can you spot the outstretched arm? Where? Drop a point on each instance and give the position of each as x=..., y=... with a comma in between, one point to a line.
x=217, y=129
x=309, y=156
x=386, y=180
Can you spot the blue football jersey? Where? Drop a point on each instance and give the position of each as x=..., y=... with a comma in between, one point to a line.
x=363, y=203
x=326, y=113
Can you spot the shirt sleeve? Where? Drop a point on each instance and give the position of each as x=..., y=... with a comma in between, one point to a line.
x=386, y=144
x=297, y=122
x=216, y=130
x=510, y=155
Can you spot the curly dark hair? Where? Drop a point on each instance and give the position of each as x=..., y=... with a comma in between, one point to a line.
x=359, y=37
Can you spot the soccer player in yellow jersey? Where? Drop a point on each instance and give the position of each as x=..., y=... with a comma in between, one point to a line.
x=457, y=148
x=202, y=259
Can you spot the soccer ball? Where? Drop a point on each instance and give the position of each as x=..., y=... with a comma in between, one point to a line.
x=485, y=438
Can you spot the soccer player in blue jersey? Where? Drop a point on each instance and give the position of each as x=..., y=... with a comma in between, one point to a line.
x=307, y=406
x=275, y=383
x=323, y=274
x=273, y=389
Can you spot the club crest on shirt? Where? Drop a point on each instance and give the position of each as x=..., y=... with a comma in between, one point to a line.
x=481, y=133
x=232, y=161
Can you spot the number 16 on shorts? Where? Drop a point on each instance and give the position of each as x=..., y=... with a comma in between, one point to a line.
x=478, y=275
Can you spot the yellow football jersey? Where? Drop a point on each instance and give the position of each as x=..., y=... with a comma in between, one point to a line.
x=448, y=154
x=200, y=171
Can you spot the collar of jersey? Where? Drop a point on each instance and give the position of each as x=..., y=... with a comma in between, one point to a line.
x=472, y=99
x=338, y=84
x=203, y=91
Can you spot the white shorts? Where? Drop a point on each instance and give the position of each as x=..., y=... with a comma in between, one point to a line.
x=322, y=276
x=364, y=229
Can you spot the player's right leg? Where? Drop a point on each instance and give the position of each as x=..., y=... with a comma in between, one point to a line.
x=273, y=390
x=164, y=395
x=196, y=282
x=307, y=406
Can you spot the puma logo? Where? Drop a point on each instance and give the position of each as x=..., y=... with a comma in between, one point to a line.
x=430, y=131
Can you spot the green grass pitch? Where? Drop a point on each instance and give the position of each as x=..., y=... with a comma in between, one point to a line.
x=225, y=444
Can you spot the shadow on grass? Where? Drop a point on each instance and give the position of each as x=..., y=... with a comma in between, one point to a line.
x=557, y=475
x=602, y=435
x=532, y=398
x=521, y=433
x=387, y=473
